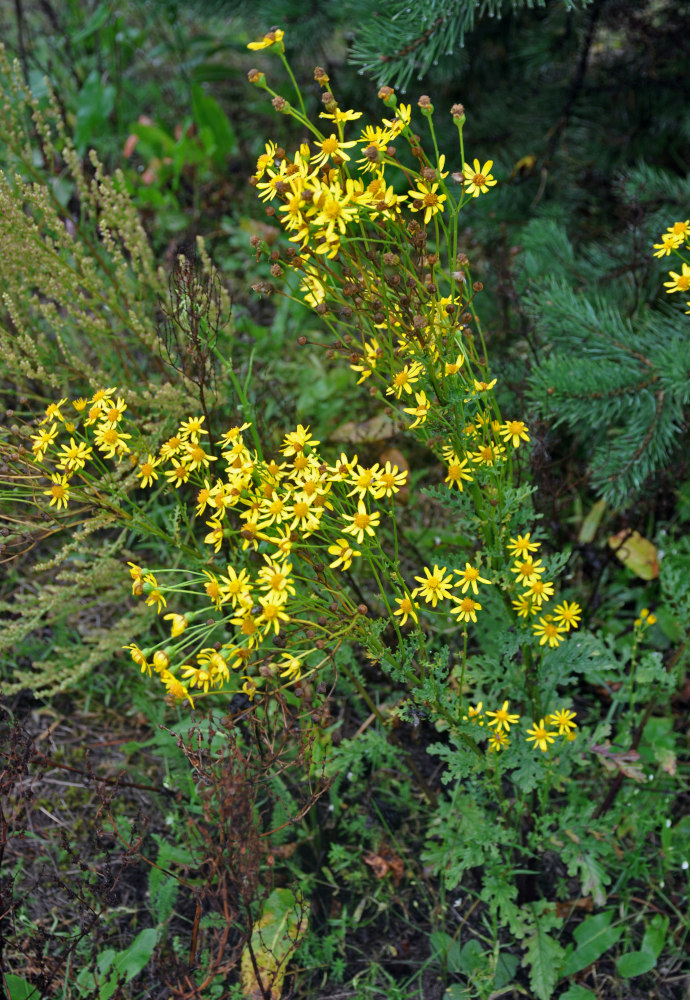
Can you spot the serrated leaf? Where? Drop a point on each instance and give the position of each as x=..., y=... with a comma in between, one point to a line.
x=275, y=936
x=593, y=937
x=542, y=953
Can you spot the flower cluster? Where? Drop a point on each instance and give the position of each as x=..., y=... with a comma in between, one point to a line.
x=542, y=733
x=676, y=240
x=537, y=593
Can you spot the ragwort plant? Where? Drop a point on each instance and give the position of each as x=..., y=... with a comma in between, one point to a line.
x=284, y=556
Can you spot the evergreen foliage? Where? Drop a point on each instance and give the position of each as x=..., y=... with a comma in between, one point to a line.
x=614, y=356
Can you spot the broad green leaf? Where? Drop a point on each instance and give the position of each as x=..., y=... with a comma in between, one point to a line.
x=636, y=963
x=655, y=935
x=471, y=957
x=20, y=989
x=446, y=951
x=577, y=993
x=275, y=936
x=593, y=937
x=506, y=967
x=208, y=114
x=128, y=963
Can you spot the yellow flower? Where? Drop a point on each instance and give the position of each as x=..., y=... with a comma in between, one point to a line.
x=469, y=577
x=362, y=522
x=390, y=480
x=539, y=735
x=112, y=413
x=522, y=545
x=540, y=591
x=191, y=429
x=53, y=411
x=453, y=367
x=433, y=586
x=406, y=608
x=679, y=282
x=344, y=554
x=456, y=473
x=669, y=242
x=425, y=199
x=58, y=492
x=296, y=441
x=563, y=720
x=215, y=535
x=548, y=631
x=466, y=610
x=567, y=615
x=524, y=606
x=178, y=474
x=272, y=614
x=502, y=719
x=235, y=587
x=478, y=180
x=420, y=411
x=147, y=470
x=329, y=148
x=404, y=380
x=498, y=741
x=175, y=688
x=42, y=441
x=528, y=570
x=514, y=431
x=274, y=37
x=110, y=441
x=179, y=624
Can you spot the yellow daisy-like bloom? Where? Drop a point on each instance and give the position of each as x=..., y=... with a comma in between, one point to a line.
x=540, y=591
x=524, y=606
x=425, y=199
x=466, y=610
x=344, y=554
x=420, y=411
x=73, y=456
x=139, y=658
x=235, y=588
x=434, y=586
x=272, y=615
x=678, y=282
x=567, y=615
x=680, y=228
x=362, y=522
x=53, y=411
x=563, y=720
x=160, y=661
x=213, y=589
x=275, y=579
x=175, y=688
x=475, y=714
x=514, y=431
x=453, y=367
x=196, y=456
x=456, y=473
x=469, y=577
x=290, y=667
x=522, y=546
x=197, y=677
x=498, y=741
x=296, y=441
x=404, y=380
x=113, y=412
x=669, y=242
x=488, y=454
x=484, y=386
x=540, y=736
x=215, y=535
x=390, y=480
x=191, y=429
x=478, y=179
x=42, y=441
x=339, y=117
x=274, y=37
x=528, y=570
x=406, y=609
x=178, y=624
x=111, y=442
x=58, y=492
x=178, y=474
x=329, y=148
x=170, y=447
x=502, y=719
x=147, y=470
x=548, y=631
x=364, y=480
